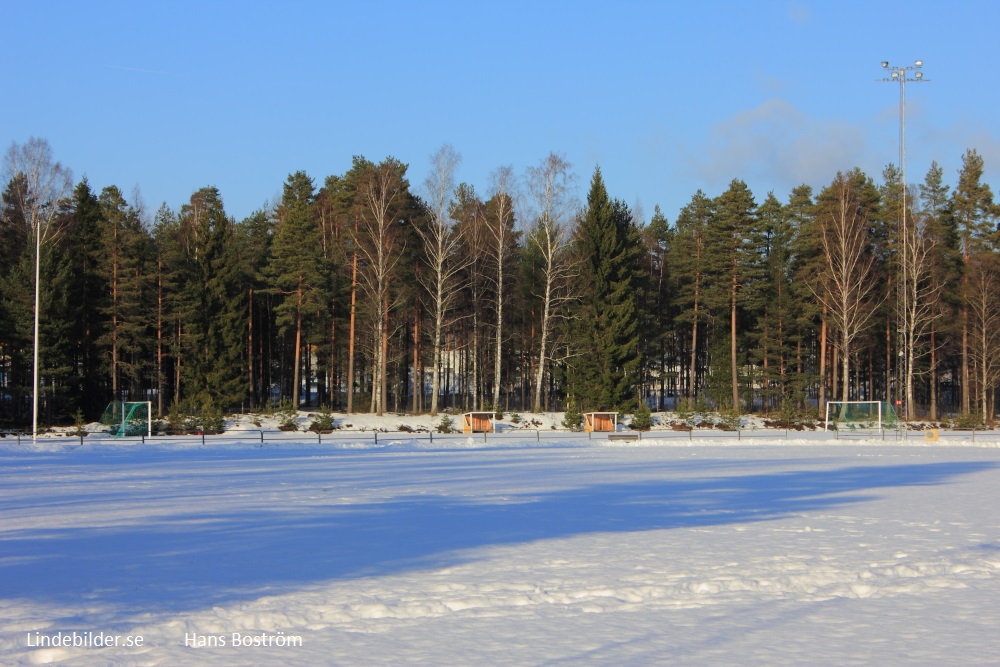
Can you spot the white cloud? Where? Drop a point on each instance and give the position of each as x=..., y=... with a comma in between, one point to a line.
x=775, y=146
x=799, y=13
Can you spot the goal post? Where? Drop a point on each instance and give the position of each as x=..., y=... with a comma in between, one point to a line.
x=860, y=415
x=129, y=418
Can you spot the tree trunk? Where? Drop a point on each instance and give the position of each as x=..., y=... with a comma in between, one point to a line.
x=159, y=340
x=966, y=401
x=250, y=348
x=846, y=365
x=418, y=384
x=692, y=373
x=540, y=371
x=732, y=349
x=296, y=373
x=933, y=372
x=384, y=358
x=498, y=348
x=351, y=326
x=822, y=366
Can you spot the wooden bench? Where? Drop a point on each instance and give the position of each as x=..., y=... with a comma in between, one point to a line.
x=623, y=436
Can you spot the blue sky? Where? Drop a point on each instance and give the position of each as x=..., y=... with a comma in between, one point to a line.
x=667, y=97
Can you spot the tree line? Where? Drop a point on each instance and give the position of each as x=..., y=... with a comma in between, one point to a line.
x=362, y=293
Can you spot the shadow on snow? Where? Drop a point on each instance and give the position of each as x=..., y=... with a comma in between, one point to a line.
x=191, y=558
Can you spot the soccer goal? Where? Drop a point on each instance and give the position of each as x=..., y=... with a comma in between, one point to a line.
x=125, y=418
x=854, y=415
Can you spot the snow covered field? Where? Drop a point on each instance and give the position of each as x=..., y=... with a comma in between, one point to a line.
x=767, y=551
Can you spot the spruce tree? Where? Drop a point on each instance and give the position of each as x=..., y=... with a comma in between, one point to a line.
x=604, y=369
x=211, y=305
x=87, y=295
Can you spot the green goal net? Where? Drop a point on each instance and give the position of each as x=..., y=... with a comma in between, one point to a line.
x=853, y=415
x=123, y=418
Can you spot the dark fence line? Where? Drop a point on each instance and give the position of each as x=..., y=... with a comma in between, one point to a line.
x=537, y=435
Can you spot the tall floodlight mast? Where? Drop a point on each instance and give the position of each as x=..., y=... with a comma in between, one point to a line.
x=905, y=282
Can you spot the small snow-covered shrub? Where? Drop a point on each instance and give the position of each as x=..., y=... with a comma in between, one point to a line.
x=730, y=420
x=79, y=424
x=210, y=418
x=446, y=425
x=324, y=422
x=573, y=417
x=642, y=420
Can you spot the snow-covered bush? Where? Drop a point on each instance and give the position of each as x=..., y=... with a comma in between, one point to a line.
x=642, y=420
x=446, y=425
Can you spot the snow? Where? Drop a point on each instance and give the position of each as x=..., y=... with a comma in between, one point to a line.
x=708, y=551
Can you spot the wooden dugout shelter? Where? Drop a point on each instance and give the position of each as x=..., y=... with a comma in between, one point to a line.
x=600, y=422
x=477, y=422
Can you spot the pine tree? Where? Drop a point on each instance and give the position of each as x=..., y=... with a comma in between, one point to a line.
x=973, y=208
x=774, y=333
x=658, y=332
x=940, y=232
x=297, y=268
x=125, y=249
x=733, y=242
x=811, y=317
x=689, y=260
x=255, y=235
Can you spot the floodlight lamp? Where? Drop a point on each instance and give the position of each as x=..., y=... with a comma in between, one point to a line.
x=885, y=64
x=895, y=75
x=919, y=63
x=919, y=75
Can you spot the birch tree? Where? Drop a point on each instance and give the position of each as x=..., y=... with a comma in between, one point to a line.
x=845, y=288
x=549, y=186
x=923, y=288
x=973, y=208
x=983, y=299
x=945, y=269
x=381, y=192
x=441, y=242
x=502, y=237
x=44, y=185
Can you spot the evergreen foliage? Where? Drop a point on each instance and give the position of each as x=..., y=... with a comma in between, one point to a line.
x=734, y=247
x=572, y=418
x=298, y=272
x=689, y=262
x=211, y=302
x=605, y=361
x=642, y=420
x=317, y=299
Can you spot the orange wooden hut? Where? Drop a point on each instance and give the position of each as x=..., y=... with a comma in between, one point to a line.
x=600, y=422
x=477, y=422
